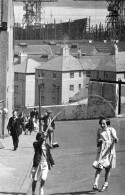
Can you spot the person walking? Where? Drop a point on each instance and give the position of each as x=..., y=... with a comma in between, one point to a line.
x=48, y=125
x=14, y=129
x=42, y=162
x=106, y=154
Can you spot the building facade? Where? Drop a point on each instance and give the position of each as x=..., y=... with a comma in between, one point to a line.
x=24, y=83
x=6, y=60
x=59, y=79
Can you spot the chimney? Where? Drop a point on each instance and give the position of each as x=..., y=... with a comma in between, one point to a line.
x=22, y=57
x=79, y=53
x=65, y=50
x=116, y=49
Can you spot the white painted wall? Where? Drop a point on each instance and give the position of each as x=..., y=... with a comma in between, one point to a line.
x=30, y=90
x=67, y=81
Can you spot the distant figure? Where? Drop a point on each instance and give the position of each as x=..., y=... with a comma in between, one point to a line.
x=106, y=155
x=15, y=129
x=22, y=118
x=34, y=113
x=42, y=162
x=48, y=125
x=29, y=127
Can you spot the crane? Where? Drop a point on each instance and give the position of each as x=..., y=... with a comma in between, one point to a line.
x=34, y=11
x=116, y=19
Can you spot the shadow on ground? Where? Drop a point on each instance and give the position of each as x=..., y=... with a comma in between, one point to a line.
x=75, y=193
x=13, y=193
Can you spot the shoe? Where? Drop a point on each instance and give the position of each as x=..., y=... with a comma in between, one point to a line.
x=14, y=148
x=104, y=188
x=95, y=187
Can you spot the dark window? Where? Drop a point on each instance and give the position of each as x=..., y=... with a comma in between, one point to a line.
x=42, y=99
x=54, y=75
x=16, y=76
x=16, y=89
x=88, y=73
x=42, y=74
x=71, y=87
x=106, y=75
x=79, y=86
x=71, y=74
x=79, y=73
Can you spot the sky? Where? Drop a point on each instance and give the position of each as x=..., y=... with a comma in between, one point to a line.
x=63, y=10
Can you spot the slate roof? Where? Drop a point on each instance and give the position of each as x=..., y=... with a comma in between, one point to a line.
x=108, y=63
x=33, y=49
x=62, y=63
x=90, y=62
x=27, y=66
x=120, y=60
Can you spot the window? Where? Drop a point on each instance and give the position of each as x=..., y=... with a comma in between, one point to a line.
x=71, y=74
x=54, y=75
x=79, y=86
x=42, y=86
x=53, y=87
x=71, y=87
x=42, y=99
x=42, y=74
x=16, y=89
x=105, y=75
x=88, y=73
x=97, y=74
x=79, y=73
x=16, y=76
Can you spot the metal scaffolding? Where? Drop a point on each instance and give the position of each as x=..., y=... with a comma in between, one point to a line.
x=116, y=19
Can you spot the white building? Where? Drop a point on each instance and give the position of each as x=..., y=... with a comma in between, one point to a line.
x=61, y=78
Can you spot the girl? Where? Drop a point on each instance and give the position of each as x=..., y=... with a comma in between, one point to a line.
x=42, y=162
x=106, y=155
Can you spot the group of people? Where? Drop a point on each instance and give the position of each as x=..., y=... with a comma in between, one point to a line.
x=43, y=160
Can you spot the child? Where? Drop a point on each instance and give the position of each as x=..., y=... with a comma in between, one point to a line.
x=42, y=162
x=106, y=155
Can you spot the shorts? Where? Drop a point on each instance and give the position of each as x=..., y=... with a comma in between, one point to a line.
x=40, y=172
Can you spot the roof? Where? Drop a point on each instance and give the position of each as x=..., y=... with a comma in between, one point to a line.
x=27, y=66
x=108, y=63
x=120, y=61
x=62, y=63
x=88, y=50
x=33, y=49
x=90, y=62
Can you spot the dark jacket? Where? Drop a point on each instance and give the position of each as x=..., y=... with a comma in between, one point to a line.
x=14, y=126
x=38, y=153
x=45, y=120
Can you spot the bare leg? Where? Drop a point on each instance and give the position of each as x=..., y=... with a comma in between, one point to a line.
x=107, y=174
x=41, y=187
x=33, y=187
x=97, y=175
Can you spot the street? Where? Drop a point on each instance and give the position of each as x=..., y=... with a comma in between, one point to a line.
x=73, y=172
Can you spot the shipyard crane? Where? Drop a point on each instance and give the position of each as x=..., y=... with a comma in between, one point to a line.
x=34, y=11
x=116, y=19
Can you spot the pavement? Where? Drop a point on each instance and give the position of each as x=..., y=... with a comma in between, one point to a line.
x=73, y=173
x=15, y=165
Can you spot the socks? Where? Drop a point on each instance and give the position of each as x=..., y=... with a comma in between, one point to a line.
x=41, y=191
x=106, y=184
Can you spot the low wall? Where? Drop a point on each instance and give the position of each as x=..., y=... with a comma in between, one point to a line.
x=80, y=112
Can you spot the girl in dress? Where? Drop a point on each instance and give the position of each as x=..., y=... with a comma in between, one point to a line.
x=106, y=154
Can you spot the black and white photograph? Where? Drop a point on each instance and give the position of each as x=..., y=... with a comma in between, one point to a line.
x=62, y=97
